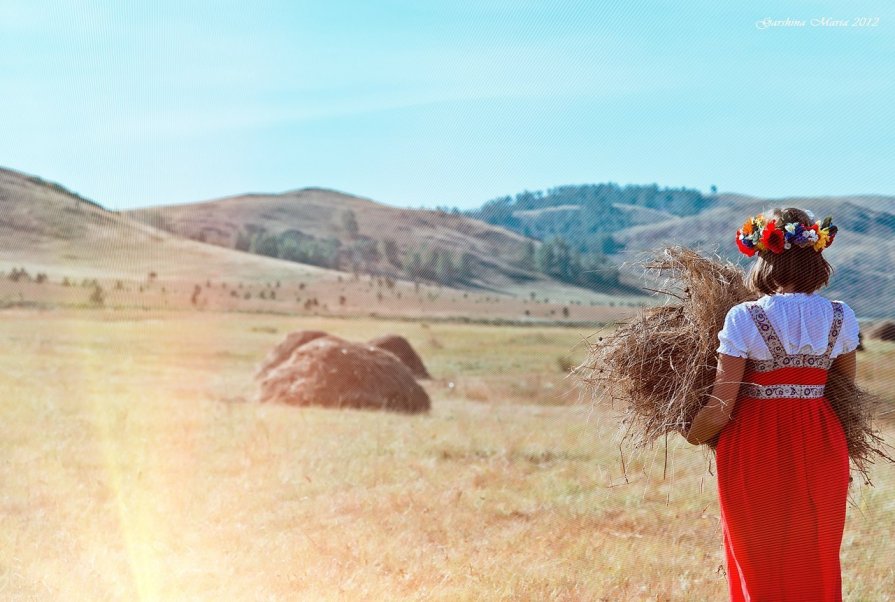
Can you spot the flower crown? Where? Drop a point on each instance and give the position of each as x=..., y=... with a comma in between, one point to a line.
x=762, y=234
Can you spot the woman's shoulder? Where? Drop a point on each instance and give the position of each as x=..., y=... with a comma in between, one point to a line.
x=845, y=306
x=745, y=307
x=848, y=314
x=740, y=312
x=847, y=311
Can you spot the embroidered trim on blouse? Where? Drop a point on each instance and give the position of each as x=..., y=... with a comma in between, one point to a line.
x=783, y=391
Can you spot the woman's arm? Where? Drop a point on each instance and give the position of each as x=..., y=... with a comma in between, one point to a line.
x=715, y=414
x=846, y=364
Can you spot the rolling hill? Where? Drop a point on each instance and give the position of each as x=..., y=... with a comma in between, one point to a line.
x=861, y=256
x=51, y=229
x=631, y=221
x=58, y=249
x=382, y=241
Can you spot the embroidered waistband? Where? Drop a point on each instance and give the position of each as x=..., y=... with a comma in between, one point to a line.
x=796, y=360
x=783, y=391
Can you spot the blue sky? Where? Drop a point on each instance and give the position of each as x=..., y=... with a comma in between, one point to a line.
x=424, y=103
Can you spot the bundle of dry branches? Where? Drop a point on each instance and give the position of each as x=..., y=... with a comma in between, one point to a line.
x=661, y=363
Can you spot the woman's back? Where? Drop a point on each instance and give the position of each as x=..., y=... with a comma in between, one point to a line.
x=802, y=323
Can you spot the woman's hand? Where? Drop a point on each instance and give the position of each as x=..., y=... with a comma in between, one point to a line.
x=715, y=414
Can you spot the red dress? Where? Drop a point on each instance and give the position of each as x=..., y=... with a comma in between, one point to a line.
x=783, y=473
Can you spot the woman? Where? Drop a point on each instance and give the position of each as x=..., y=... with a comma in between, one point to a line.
x=782, y=458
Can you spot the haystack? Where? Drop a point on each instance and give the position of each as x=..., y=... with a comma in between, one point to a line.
x=281, y=352
x=332, y=372
x=402, y=348
x=884, y=331
x=660, y=365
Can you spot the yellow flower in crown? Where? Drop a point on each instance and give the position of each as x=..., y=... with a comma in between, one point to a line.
x=823, y=235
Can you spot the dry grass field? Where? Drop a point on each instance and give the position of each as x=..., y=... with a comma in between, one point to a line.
x=133, y=469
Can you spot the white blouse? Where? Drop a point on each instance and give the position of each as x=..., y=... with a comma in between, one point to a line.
x=802, y=321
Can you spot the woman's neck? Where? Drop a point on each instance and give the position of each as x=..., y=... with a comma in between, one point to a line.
x=789, y=289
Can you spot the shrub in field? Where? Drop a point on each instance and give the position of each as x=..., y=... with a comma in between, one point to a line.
x=97, y=297
x=885, y=331
x=17, y=274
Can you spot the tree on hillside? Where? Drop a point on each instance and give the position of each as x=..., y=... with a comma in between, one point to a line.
x=389, y=249
x=528, y=256
x=555, y=258
x=545, y=260
x=430, y=262
x=603, y=242
x=598, y=271
x=349, y=223
x=446, y=272
x=467, y=265
x=290, y=251
x=265, y=244
x=243, y=241
x=413, y=264
x=364, y=251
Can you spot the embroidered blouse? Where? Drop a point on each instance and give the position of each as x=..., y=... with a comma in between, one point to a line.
x=802, y=321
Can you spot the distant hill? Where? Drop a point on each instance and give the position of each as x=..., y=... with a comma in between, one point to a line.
x=861, y=257
x=350, y=233
x=585, y=215
x=47, y=227
x=627, y=222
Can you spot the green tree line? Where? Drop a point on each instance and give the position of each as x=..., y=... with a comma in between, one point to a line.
x=586, y=216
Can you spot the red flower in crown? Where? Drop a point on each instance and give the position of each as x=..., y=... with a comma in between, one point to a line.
x=832, y=230
x=773, y=238
x=744, y=249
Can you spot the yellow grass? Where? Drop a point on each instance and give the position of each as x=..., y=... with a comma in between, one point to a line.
x=131, y=470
